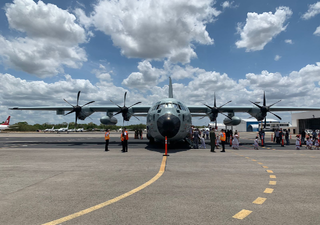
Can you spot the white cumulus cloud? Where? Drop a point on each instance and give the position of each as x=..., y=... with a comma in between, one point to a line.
x=313, y=10
x=52, y=39
x=260, y=29
x=277, y=57
x=152, y=29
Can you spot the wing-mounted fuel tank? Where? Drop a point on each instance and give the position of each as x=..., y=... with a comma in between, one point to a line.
x=109, y=119
x=234, y=121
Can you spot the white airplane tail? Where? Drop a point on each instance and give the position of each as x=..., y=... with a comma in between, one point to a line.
x=7, y=121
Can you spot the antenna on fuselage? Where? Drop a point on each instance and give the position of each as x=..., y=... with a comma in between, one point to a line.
x=170, y=88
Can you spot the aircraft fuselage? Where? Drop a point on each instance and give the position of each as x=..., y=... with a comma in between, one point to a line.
x=168, y=117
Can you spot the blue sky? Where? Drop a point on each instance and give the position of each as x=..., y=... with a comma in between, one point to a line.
x=238, y=49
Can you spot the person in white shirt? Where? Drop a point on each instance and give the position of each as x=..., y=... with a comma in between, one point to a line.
x=298, y=142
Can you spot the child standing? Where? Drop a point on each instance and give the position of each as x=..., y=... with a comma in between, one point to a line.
x=256, y=144
x=298, y=142
x=316, y=144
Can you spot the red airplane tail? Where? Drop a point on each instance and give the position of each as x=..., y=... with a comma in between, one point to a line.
x=7, y=121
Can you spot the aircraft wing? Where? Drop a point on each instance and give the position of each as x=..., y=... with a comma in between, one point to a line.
x=135, y=109
x=203, y=109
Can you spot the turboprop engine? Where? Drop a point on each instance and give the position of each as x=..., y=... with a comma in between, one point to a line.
x=106, y=120
x=234, y=121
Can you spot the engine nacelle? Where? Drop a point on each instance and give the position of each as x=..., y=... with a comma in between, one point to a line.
x=106, y=120
x=232, y=122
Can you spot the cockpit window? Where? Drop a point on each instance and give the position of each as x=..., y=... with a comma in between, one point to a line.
x=168, y=105
x=182, y=107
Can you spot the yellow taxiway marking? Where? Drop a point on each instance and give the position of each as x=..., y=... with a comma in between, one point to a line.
x=272, y=182
x=242, y=214
x=265, y=167
x=268, y=148
x=273, y=176
x=254, y=160
x=99, y=206
x=259, y=201
x=269, y=171
x=247, y=158
x=273, y=149
x=268, y=190
x=260, y=163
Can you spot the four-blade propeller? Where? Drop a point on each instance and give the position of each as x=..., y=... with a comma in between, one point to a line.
x=77, y=109
x=124, y=110
x=264, y=109
x=215, y=110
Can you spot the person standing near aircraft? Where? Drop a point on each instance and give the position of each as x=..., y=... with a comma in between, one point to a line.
x=122, y=140
x=107, y=138
x=212, y=140
x=125, y=141
x=222, y=139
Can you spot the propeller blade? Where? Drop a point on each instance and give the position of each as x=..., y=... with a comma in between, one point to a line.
x=274, y=103
x=209, y=106
x=136, y=117
x=226, y=116
x=276, y=115
x=124, y=100
x=264, y=98
x=224, y=104
x=265, y=122
x=70, y=112
x=68, y=102
x=118, y=113
x=88, y=103
x=75, y=124
x=78, y=97
x=202, y=117
x=116, y=104
x=256, y=104
x=134, y=104
x=215, y=101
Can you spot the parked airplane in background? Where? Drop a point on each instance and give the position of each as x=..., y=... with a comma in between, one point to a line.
x=50, y=130
x=168, y=117
x=5, y=125
x=63, y=129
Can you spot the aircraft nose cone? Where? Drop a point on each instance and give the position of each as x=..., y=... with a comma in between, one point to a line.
x=168, y=125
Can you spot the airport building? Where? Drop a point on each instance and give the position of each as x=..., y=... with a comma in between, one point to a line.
x=305, y=121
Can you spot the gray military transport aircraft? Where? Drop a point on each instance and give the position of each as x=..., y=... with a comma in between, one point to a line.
x=168, y=117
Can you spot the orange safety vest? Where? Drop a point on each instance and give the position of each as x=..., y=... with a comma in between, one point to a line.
x=126, y=135
x=106, y=136
x=223, y=138
x=122, y=138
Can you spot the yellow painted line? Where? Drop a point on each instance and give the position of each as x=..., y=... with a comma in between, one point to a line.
x=273, y=176
x=268, y=148
x=273, y=149
x=272, y=182
x=254, y=160
x=260, y=163
x=259, y=201
x=242, y=214
x=269, y=171
x=99, y=206
x=268, y=190
x=247, y=158
x=265, y=167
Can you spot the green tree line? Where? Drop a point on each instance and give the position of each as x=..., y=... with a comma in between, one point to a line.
x=24, y=126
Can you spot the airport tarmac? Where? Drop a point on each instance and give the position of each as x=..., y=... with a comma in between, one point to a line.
x=69, y=179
